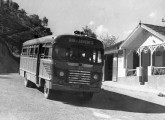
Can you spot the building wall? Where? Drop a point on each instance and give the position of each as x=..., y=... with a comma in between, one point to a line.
x=129, y=80
x=129, y=59
x=154, y=82
x=115, y=67
x=121, y=69
x=145, y=59
x=159, y=57
x=152, y=40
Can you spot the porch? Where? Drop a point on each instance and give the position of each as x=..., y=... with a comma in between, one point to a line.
x=144, y=58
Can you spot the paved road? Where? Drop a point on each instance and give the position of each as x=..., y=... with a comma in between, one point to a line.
x=20, y=103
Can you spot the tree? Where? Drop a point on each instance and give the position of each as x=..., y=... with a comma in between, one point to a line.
x=15, y=6
x=34, y=19
x=23, y=12
x=17, y=27
x=88, y=31
x=108, y=40
x=45, y=21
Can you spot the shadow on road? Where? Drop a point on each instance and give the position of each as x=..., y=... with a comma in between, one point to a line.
x=5, y=76
x=111, y=101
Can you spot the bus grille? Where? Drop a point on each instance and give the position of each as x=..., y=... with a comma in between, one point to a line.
x=79, y=77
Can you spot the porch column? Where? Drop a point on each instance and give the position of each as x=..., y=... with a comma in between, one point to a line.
x=151, y=61
x=151, y=64
x=140, y=58
x=151, y=50
x=138, y=69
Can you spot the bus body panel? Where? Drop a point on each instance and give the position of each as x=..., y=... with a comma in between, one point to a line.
x=28, y=66
x=72, y=71
x=45, y=70
x=75, y=88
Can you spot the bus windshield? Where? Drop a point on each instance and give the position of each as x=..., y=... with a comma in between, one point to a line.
x=79, y=54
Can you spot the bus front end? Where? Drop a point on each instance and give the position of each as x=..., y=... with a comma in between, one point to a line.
x=77, y=67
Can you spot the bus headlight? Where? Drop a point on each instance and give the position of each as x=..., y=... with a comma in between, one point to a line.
x=61, y=73
x=95, y=76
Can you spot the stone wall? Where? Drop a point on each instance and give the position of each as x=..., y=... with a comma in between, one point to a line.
x=155, y=82
x=129, y=80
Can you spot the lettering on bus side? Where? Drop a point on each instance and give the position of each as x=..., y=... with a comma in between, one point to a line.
x=86, y=42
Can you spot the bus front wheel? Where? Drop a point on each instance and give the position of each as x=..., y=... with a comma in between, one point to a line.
x=47, y=92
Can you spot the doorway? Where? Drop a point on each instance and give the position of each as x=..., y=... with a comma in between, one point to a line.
x=109, y=67
x=135, y=60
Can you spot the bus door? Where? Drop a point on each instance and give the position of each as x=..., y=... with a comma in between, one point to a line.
x=44, y=67
x=38, y=63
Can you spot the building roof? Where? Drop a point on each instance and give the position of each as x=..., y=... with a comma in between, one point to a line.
x=158, y=29
x=113, y=48
x=141, y=33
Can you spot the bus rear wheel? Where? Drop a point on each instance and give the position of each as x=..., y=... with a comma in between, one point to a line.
x=26, y=82
x=87, y=96
x=47, y=92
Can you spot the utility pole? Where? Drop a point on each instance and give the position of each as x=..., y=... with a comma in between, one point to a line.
x=163, y=20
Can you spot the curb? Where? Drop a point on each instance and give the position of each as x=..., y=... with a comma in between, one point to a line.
x=110, y=85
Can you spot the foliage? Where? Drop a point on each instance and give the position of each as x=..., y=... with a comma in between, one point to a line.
x=88, y=31
x=14, y=6
x=45, y=21
x=17, y=27
x=108, y=40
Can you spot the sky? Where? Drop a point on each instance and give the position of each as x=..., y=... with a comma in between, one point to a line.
x=104, y=17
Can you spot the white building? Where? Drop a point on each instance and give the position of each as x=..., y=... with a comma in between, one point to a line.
x=140, y=59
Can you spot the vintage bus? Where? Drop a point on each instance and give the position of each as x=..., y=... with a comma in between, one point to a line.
x=63, y=63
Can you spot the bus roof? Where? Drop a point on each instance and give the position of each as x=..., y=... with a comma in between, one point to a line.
x=63, y=39
x=42, y=40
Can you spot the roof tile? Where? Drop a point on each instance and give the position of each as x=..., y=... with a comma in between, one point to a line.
x=159, y=29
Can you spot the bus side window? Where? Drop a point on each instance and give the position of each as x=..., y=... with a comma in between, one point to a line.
x=48, y=52
x=31, y=51
x=42, y=52
x=35, y=51
x=28, y=51
x=23, y=51
x=94, y=56
x=28, y=54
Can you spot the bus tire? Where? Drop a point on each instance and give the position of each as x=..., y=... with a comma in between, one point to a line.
x=26, y=81
x=47, y=92
x=87, y=96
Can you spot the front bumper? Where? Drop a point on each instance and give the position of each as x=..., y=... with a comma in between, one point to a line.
x=75, y=88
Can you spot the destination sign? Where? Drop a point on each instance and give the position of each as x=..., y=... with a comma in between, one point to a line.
x=86, y=42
